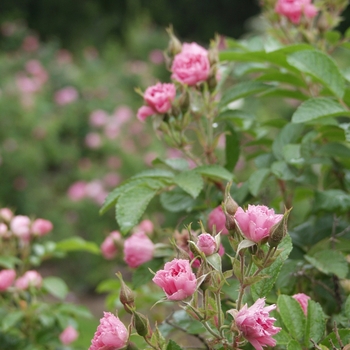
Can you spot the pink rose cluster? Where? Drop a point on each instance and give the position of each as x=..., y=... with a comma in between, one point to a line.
x=256, y=324
x=177, y=279
x=22, y=226
x=158, y=99
x=111, y=334
x=294, y=9
x=256, y=222
x=191, y=66
x=29, y=279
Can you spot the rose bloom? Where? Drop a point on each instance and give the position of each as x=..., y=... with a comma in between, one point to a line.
x=77, y=191
x=31, y=278
x=69, y=335
x=160, y=96
x=256, y=222
x=293, y=9
x=66, y=95
x=7, y=278
x=6, y=214
x=191, y=65
x=111, y=334
x=217, y=217
x=256, y=324
x=41, y=227
x=177, y=279
x=303, y=300
x=98, y=118
x=20, y=227
x=109, y=247
x=206, y=244
x=138, y=249
x=146, y=226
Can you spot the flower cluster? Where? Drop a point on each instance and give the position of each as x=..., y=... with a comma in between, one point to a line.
x=294, y=9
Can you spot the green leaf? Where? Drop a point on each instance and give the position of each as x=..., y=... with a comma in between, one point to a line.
x=332, y=201
x=9, y=262
x=315, y=323
x=10, y=319
x=321, y=67
x=157, y=173
x=262, y=288
x=292, y=315
x=277, y=76
x=190, y=181
x=173, y=163
x=347, y=307
x=294, y=345
x=289, y=134
x=132, y=204
x=108, y=285
x=173, y=346
x=331, y=339
x=329, y=262
x=335, y=149
x=56, y=287
x=232, y=148
x=282, y=170
x=316, y=108
x=243, y=89
x=292, y=154
x=176, y=200
x=143, y=275
x=257, y=179
x=77, y=244
x=214, y=172
x=183, y=320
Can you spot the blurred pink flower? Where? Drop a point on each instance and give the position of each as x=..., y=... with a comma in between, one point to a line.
x=146, y=226
x=36, y=69
x=111, y=179
x=63, y=56
x=256, y=222
x=94, y=189
x=69, y=335
x=27, y=85
x=112, y=129
x=293, y=9
x=3, y=230
x=111, y=334
x=7, y=278
x=191, y=65
x=66, y=95
x=217, y=217
x=109, y=247
x=98, y=118
x=206, y=243
x=41, y=227
x=123, y=114
x=138, y=249
x=31, y=278
x=93, y=140
x=77, y=191
x=256, y=324
x=114, y=162
x=156, y=56
x=30, y=43
x=6, y=214
x=144, y=112
x=177, y=279
x=20, y=227
x=303, y=300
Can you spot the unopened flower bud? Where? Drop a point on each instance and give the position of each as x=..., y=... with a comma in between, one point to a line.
x=230, y=204
x=213, y=55
x=141, y=324
x=278, y=231
x=174, y=46
x=206, y=244
x=184, y=101
x=126, y=295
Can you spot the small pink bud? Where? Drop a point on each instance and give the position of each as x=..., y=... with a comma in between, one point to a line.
x=138, y=249
x=206, y=243
x=303, y=300
x=41, y=227
x=7, y=278
x=31, y=278
x=20, y=227
x=6, y=214
x=109, y=247
x=146, y=226
x=77, y=191
x=217, y=217
x=69, y=335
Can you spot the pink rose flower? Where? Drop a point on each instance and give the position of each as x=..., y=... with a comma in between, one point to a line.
x=111, y=334
x=206, y=243
x=217, y=217
x=160, y=96
x=66, y=95
x=256, y=324
x=146, y=226
x=98, y=118
x=144, y=112
x=6, y=214
x=41, y=227
x=77, y=191
x=177, y=279
x=109, y=247
x=256, y=222
x=7, y=278
x=69, y=335
x=31, y=278
x=20, y=227
x=93, y=140
x=303, y=300
x=191, y=65
x=293, y=9
x=138, y=249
